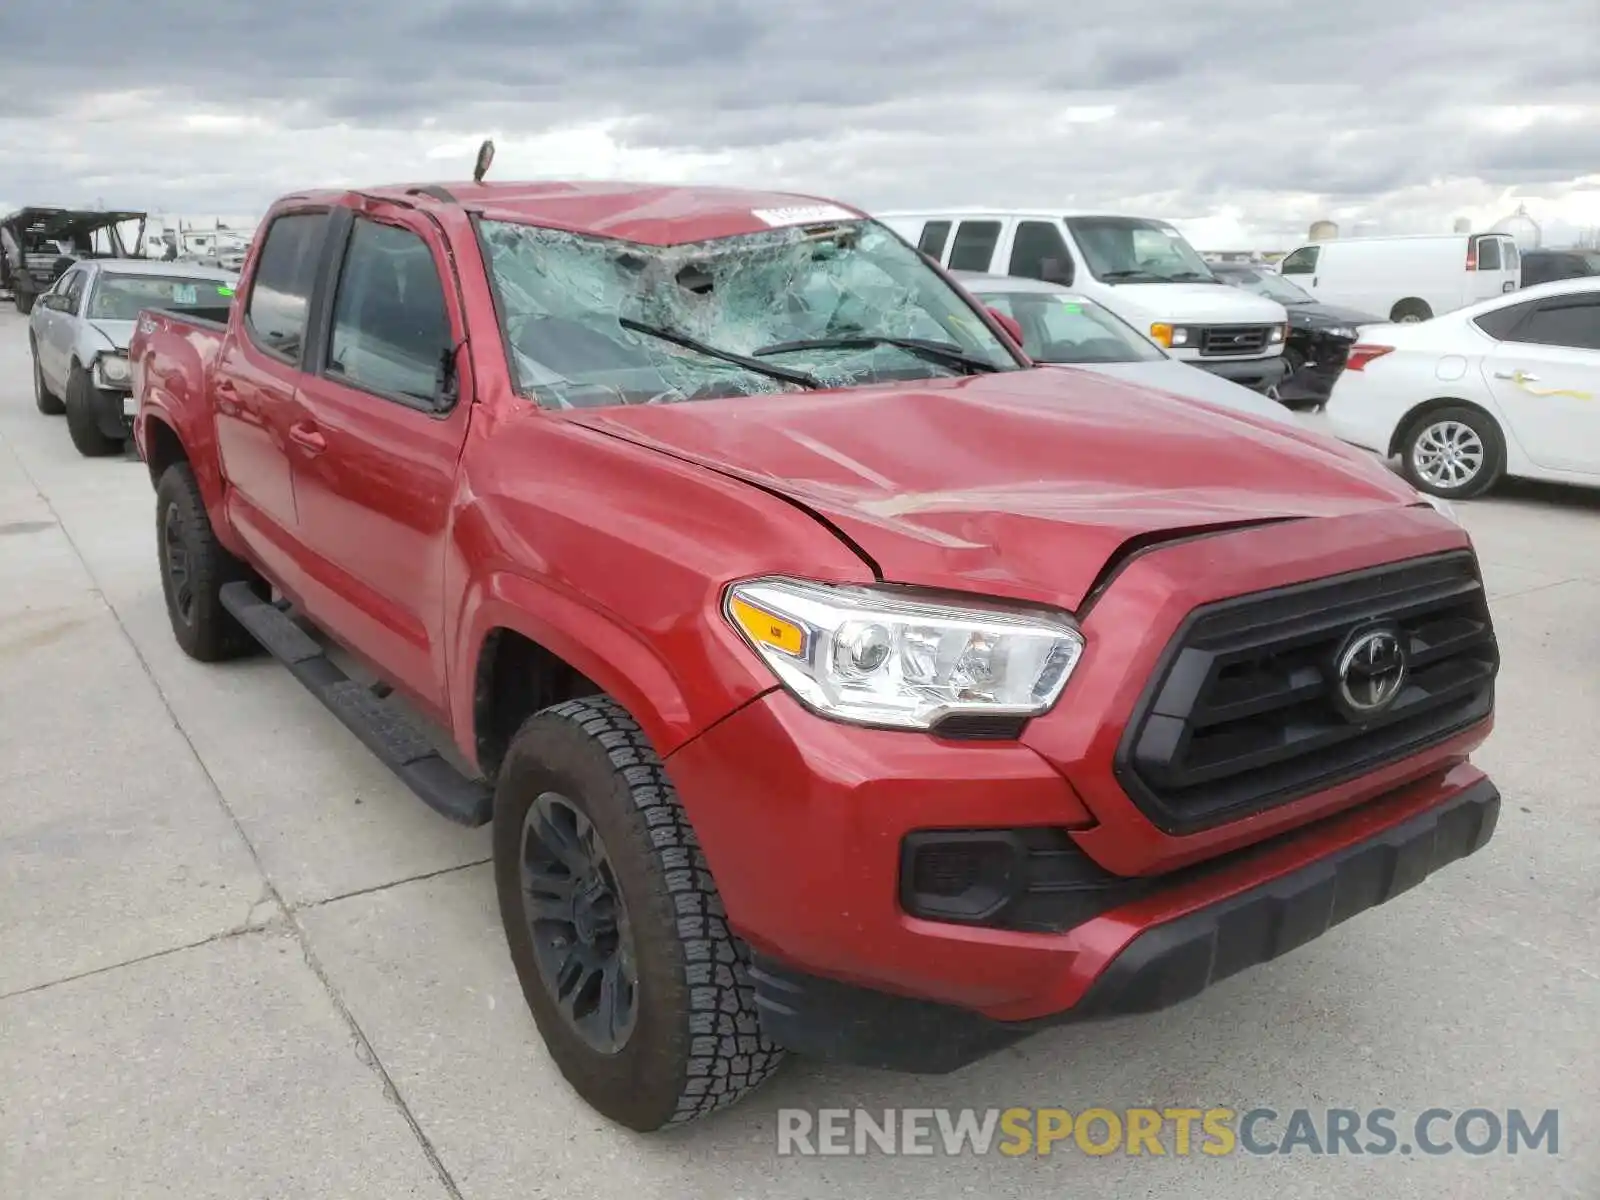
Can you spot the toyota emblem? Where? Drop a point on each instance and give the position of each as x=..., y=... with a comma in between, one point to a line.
x=1371, y=670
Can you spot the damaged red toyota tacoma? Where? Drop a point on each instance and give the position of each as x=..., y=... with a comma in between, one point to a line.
x=834, y=680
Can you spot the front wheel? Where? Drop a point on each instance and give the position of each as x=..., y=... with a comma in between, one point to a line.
x=1454, y=452
x=83, y=426
x=615, y=926
x=194, y=568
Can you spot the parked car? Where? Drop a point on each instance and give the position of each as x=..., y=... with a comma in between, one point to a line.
x=1320, y=335
x=1060, y=327
x=78, y=338
x=1408, y=278
x=835, y=679
x=38, y=244
x=1507, y=387
x=1141, y=269
x=1546, y=266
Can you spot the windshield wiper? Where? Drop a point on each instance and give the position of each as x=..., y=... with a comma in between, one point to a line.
x=1195, y=275
x=1108, y=276
x=728, y=356
x=938, y=351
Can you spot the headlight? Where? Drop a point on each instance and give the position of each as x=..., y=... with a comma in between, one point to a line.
x=874, y=657
x=1171, y=335
x=1279, y=332
x=113, y=368
x=1341, y=331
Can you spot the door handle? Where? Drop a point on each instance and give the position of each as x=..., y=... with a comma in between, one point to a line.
x=1517, y=376
x=307, y=437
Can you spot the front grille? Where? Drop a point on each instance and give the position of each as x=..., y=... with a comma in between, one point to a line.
x=1234, y=339
x=1244, y=711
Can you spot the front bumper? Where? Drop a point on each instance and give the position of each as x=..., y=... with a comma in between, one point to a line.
x=1369, y=857
x=1258, y=374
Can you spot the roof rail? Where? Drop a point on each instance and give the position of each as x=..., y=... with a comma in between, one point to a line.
x=433, y=190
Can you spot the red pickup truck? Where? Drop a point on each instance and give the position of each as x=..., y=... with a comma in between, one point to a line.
x=835, y=681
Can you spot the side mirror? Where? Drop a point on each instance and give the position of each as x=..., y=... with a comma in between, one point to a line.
x=1009, y=324
x=58, y=301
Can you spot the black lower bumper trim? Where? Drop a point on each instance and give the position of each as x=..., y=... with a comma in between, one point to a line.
x=1163, y=966
x=1256, y=373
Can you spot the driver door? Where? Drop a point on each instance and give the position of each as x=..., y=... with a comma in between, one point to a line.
x=60, y=326
x=376, y=445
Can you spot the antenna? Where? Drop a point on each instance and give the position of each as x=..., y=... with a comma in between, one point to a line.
x=485, y=159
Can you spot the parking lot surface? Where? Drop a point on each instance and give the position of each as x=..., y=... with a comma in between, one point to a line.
x=238, y=959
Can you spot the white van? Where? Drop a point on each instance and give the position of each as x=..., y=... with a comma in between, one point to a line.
x=1141, y=269
x=1407, y=278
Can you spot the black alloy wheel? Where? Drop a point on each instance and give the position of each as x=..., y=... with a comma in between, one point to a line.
x=582, y=940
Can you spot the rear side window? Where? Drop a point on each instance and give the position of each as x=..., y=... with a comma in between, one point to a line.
x=975, y=243
x=1302, y=262
x=1488, y=254
x=284, y=275
x=1570, y=321
x=1040, y=252
x=390, y=325
x=1502, y=322
x=934, y=235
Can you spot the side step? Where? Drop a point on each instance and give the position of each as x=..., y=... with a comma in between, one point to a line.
x=397, y=742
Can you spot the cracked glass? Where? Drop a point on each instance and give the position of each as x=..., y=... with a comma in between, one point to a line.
x=595, y=321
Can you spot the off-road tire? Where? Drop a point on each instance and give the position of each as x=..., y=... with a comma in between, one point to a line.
x=23, y=301
x=44, y=399
x=85, y=431
x=1481, y=423
x=696, y=1044
x=210, y=633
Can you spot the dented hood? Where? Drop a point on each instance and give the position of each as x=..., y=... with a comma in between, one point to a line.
x=1020, y=484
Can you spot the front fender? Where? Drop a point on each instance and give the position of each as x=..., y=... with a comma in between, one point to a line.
x=628, y=664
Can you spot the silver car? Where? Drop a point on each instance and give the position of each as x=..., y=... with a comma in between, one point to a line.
x=79, y=333
x=1062, y=328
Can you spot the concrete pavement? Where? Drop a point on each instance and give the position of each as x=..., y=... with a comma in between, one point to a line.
x=238, y=960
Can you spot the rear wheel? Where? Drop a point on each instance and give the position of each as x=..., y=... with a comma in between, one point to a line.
x=1410, y=312
x=1455, y=452
x=44, y=399
x=82, y=424
x=194, y=568
x=615, y=926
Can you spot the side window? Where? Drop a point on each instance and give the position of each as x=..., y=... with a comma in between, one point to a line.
x=975, y=243
x=390, y=325
x=1569, y=321
x=281, y=292
x=934, y=235
x=1302, y=262
x=1511, y=255
x=71, y=286
x=1040, y=252
x=1488, y=254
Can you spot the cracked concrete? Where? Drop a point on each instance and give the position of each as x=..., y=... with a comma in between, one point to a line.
x=237, y=959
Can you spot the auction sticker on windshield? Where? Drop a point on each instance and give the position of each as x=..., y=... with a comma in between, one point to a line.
x=803, y=214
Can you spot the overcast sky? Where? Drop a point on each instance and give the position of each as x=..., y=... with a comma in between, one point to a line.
x=1247, y=120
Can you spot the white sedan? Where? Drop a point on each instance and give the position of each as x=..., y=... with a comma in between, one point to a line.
x=1509, y=386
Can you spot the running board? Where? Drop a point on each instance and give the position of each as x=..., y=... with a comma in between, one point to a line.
x=389, y=734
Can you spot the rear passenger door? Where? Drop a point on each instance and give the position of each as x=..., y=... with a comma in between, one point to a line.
x=256, y=380
x=375, y=469
x=1545, y=377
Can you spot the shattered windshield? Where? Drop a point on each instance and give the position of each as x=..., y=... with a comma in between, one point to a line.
x=597, y=321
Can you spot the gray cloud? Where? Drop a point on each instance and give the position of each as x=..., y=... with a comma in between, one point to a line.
x=1229, y=103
